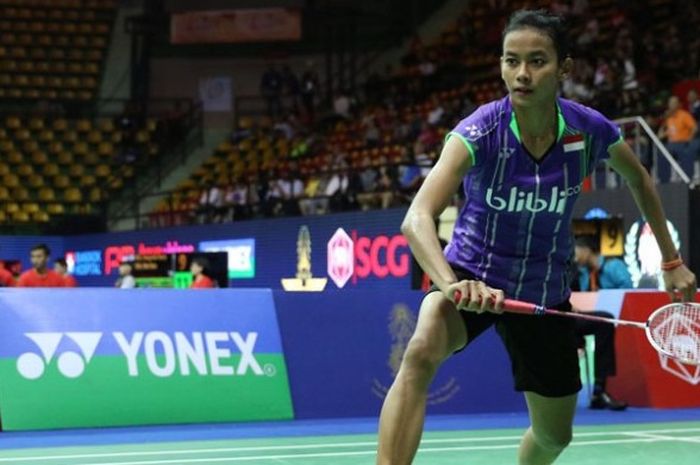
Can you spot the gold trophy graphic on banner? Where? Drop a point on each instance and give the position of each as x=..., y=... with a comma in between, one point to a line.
x=304, y=280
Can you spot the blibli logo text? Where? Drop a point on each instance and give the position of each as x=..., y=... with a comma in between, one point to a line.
x=518, y=201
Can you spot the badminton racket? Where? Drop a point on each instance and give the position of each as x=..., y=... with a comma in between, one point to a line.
x=672, y=330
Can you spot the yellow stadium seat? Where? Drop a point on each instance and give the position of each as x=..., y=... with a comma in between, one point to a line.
x=3, y=217
x=55, y=209
x=73, y=195
x=83, y=125
x=71, y=136
x=20, y=194
x=23, y=134
x=91, y=159
x=105, y=150
x=15, y=158
x=25, y=170
x=102, y=171
x=47, y=194
x=95, y=194
x=46, y=136
x=106, y=125
x=36, y=124
x=13, y=122
x=20, y=217
x=51, y=170
x=10, y=180
x=6, y=146
x=81, y=148
x=39, y=158
x=36, y=181
x=65, y=158
x=61, y=181
x=41, y=217
x=60, y=125
x=4, y=193
x=30, y=146
x=88, y=180
x=94, y=137
x=31, y=207
x=11, y=207
x=76, y=171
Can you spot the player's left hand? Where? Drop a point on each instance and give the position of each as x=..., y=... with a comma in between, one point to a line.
x=681, y=284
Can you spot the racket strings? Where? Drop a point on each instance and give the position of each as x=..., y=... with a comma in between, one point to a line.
x=676, y=330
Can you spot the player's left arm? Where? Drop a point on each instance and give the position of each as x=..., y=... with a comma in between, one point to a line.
x=625, y=162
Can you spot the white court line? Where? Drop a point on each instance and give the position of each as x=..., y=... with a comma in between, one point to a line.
x=330, y=445
x=694, y=439
x=346, y=454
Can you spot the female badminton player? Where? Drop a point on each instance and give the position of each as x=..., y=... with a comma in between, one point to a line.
x=522, y=160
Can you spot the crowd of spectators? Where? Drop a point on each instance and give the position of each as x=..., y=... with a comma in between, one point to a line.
x=372, y=149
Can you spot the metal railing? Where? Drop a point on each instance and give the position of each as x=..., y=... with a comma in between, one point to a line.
x=648, y=147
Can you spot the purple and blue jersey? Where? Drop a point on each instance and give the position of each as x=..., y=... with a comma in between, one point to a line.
x=513, y=231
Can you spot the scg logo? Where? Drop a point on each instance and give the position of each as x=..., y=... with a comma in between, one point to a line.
x=358, y=257
x=70, y=364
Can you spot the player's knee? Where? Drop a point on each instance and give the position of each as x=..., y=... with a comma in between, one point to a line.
x=422, y=356
x=553, y=440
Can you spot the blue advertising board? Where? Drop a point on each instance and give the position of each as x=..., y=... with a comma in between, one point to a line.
x=343, y=350
x=359, y=250
x=108, y=357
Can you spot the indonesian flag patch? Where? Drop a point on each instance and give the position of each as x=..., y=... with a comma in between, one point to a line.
x=573, y=143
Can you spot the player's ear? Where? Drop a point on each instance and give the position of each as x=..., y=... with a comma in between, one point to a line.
x=565, y=68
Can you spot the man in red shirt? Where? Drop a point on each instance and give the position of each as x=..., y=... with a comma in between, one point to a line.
x=61, y=267
x=40, y=275
x=6, y=278
x=199, y=269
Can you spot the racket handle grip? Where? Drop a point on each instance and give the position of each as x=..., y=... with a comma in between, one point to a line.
x=510, y=305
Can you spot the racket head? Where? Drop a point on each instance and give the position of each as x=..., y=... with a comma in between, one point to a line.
x=674, y=330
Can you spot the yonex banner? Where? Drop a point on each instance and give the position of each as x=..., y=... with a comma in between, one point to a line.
x=96, y=357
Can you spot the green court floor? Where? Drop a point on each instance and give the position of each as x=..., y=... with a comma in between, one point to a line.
x=637, y=444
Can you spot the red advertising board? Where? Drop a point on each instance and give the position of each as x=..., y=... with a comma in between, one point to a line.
x=644, y=377
x=241, y=25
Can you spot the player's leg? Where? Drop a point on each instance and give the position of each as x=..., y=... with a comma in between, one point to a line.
x=550, y=432
x=544, y=355
x=439, y=332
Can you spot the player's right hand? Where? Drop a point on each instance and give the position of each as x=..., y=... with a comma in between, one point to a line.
x=475, y=296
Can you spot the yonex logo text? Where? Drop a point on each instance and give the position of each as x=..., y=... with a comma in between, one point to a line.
x=198, y=353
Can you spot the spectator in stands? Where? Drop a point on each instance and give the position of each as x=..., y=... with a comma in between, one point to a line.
x=596, y=272
x=236, y=201
x=61, y=267
x=291, y=88
x=6, y=278
x=126, y=278
x=314, y=201
x=291, y=188
x=200, y=274
x=40, y=275
x=679, y=129
x=271, y=90
x=211, y=203
x=342, y=105
x=310, y=88
x=372, y=135
x=694, y=105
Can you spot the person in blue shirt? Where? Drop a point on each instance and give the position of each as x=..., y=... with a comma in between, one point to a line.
x=597, y=272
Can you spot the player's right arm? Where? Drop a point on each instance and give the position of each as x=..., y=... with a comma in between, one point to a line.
x=419, y=229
